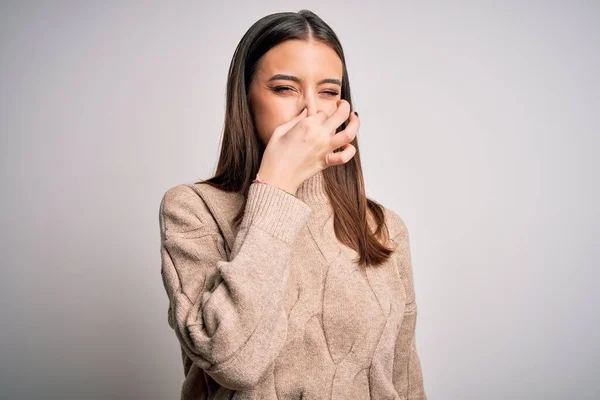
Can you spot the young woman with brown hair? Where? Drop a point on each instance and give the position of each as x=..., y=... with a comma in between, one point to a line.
x=284, y=280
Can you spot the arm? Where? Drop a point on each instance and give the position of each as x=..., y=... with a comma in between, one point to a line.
x=229, y=316
x=407, y=375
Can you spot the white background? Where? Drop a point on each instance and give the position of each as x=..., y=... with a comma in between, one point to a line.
x=480, y=127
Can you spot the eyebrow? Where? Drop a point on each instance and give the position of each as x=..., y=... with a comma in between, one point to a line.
x=298, y=80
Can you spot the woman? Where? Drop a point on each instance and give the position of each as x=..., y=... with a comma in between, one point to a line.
x=284, y=280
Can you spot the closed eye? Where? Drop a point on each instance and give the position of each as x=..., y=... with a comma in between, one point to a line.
x=283, y=89
x=280, y=89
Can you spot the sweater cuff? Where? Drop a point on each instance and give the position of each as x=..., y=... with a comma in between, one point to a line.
x=275, y=211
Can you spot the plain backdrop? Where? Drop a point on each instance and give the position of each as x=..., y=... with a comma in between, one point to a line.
x=479, y=126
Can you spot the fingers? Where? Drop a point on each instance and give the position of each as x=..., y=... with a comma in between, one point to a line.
x=340, y=157
x=347, y=135
x=338, y=117
x=283, y=128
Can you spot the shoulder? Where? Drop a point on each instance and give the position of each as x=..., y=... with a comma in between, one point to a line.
x=182, y=209
x=396, y=225
x=400, y=238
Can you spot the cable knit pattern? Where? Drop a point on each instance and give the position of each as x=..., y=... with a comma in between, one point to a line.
x=277, y=308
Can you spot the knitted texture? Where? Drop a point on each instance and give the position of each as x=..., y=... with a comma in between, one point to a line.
x=277, y=308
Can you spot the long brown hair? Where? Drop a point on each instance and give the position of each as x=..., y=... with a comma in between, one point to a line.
x=242, y=150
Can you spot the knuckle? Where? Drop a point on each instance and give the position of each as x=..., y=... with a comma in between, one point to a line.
x=311, y=127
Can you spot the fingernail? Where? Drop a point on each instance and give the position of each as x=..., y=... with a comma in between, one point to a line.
x=355, y=113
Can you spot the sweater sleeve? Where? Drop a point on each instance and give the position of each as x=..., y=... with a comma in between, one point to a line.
x=229, y=316
x=407, y=375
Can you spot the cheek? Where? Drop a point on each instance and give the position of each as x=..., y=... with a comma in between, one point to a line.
x=268, y=115
x=264, y=122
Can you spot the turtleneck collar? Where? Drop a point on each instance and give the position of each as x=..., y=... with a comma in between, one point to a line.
x=312, y=191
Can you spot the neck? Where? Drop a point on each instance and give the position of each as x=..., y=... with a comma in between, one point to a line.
x=312, y=191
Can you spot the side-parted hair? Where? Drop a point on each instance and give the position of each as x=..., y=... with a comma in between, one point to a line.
x=242, y=149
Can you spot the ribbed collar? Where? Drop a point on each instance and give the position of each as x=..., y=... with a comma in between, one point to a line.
x=312, y=191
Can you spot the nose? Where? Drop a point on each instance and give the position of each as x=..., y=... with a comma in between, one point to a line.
x=312, y=105
x=310, y=101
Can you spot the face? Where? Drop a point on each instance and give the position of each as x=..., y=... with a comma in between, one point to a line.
x=290, y=76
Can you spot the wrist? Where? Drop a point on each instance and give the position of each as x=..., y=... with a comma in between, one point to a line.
x=290, y=189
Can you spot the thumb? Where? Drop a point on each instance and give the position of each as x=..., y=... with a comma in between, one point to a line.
x=284, y=128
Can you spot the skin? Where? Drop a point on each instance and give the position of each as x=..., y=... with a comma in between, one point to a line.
x=275, y=102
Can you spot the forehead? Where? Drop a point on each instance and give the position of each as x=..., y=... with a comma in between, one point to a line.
x=301, y=58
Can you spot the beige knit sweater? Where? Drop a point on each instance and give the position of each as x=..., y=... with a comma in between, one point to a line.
x=278, y=309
